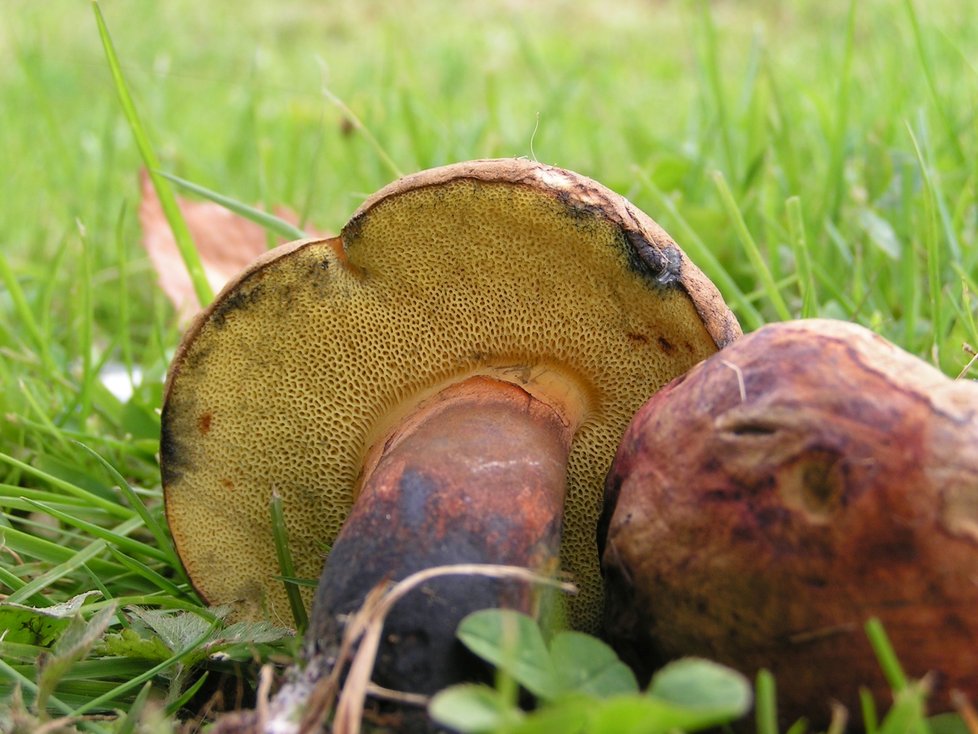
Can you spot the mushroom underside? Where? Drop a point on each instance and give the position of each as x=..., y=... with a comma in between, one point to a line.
x=508, y=270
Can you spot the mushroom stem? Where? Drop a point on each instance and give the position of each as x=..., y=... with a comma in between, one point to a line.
x=476, y=474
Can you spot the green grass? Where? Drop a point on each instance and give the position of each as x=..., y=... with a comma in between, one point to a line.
x=814, y=158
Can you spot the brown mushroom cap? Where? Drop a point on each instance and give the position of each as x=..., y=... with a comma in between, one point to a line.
x=768, y=503
x=504, y=268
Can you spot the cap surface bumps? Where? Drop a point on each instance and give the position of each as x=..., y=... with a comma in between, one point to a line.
x=508, y=268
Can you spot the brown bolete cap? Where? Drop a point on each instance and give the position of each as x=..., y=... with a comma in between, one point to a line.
x=765, y=505
x=508, y=269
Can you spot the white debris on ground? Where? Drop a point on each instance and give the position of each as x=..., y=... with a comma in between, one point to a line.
x=120, y=381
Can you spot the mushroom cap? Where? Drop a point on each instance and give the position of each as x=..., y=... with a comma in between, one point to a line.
x=505, y=268
x=766, y=504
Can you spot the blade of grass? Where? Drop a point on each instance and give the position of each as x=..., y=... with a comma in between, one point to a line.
x=56, y=432
x=258, y=216
x=766, y=703
x=932, y=248
x=750, y=247
x=796, y=236
x=420, y=139
x=141, y=569
x=91, y=529
x=160, y=535
x=25, y=314
x=968, y=291
x=871, y=719
x=712, y=68
x=311, y=175
x=83, y=310
x=20, y=504
x=925, y=65
x=76, y=560
x=32, y=402
x=28, y=685
x=168, y=202
x=15, y=583
x=107, y=594
x=835, y=178
x=296, y=581
x=131, y=720
x=910, y=295
x=358, y=125
x=184, y=698
x=783, y=143
x=46, y=551
x=886, y=655
x=51, y=288
x=940, y=199
x=63, y=155
x=13, y=491
x=98, y=701
x=280, y=535
x=122, y=302
x=74, y=693
x=94, y=500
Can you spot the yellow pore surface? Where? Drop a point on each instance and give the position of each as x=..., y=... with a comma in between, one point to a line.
x=309, y=359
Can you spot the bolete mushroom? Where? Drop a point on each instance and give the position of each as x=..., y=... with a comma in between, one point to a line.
x=765, y=505
x=456, y=368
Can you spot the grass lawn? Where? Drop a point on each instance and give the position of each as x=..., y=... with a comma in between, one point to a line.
x=814, y=158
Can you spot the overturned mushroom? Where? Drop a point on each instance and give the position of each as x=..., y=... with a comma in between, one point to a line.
x=456, y=369
x=765, y=505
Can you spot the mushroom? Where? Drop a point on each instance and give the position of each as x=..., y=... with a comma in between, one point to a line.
x=764, y=506
x=452, y=373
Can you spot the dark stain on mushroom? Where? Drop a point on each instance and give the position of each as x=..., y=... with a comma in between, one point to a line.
x=351, y=231
x=720, y=495
x=172, y=458
x=637, y=338
x=194, y=358
x=415, y=490
x=240, y=299
x=953, y=621
x=667, y=346
x=576, y=208
x=660, y=266
x=204, y=421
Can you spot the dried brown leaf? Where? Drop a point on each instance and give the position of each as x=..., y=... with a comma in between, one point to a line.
x=225, y=241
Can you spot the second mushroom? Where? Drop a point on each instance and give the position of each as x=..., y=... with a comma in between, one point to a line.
x=446, y=381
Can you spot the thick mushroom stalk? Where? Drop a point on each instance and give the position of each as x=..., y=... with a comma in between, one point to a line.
x=476, y=475
x=474, y=341
x=764, y=506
